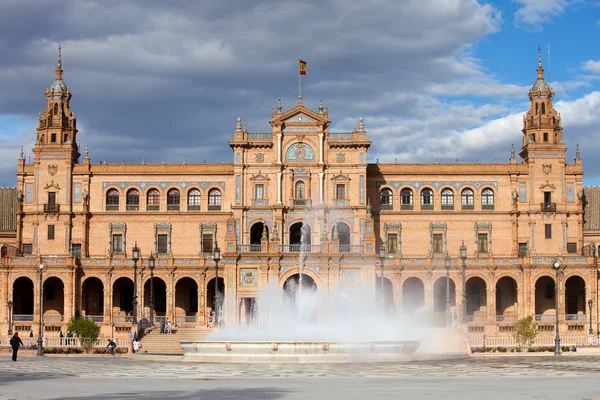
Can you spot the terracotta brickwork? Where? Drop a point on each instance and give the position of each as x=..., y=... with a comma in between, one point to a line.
x=515, y=219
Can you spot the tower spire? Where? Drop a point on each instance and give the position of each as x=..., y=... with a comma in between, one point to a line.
x=540, y=69
x=59, y=70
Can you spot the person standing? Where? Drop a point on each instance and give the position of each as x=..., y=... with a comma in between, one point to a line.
x=15, y=343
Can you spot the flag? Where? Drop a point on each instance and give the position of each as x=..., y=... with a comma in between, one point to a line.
x=302, y=67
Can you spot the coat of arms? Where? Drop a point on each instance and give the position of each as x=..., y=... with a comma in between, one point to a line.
x=547, y=168
x=300, y=152
x=260, y=157
x=340, y=157
x=52, y=169
x=248, y=277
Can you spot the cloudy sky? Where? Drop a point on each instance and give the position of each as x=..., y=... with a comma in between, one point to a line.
x=433, y=79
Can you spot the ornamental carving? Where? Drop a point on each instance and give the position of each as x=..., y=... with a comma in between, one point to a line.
x=259, y=157
x=547, y=168
x=52, y=169
x=340, y=157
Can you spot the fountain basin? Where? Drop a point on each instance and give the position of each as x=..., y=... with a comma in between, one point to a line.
x=297, y=351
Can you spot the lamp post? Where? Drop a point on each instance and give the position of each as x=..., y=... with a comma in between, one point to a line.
x=135, y=256
x=40, y=352
x=463, y=257
x=590, y=304
x=151, y=265
x=217, y=258
x=556, y=266
x=10, y=304
x=381, y=259
x=447, y=261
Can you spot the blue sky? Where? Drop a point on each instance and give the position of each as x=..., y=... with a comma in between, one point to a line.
x=433, y=79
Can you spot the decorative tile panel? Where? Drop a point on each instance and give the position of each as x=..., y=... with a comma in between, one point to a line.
x=238, y=189
x=163, y=185
x=77, y=192
x=248, y=277
x=29, y=193
x=570, y=192
x=522, y=191
x=437, y=184
x=362, y=189
x=299, y=152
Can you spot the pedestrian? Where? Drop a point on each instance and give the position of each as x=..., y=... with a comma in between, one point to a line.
x=30, y=333
x=136, y=346
x=169, y=326
x=111, y=347
x=61, y=337
x=15, y=343
x=162, y=326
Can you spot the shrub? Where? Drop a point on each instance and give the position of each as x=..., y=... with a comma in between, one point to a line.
x=525, y=331
x=87, y=331
x=502, y=349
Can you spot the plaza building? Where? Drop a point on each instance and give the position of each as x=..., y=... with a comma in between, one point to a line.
x=299, y=190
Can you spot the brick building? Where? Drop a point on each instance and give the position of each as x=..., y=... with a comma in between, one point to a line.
x=515, y=219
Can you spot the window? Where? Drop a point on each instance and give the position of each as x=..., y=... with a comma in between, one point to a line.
x=112, y=200
x=487, y=199
x=392, y=243
x=117, y=243
x=53, y=138
x=467, y=198
x=259, y=191
x=55, y=109
x=523, y=249
x=548, y=231
x=194, y=199
x=438, y=243
x=482, y=243
x=426, y=199
x=406, y=199
x=52, y=198
x=340, y=191
x=76, y=250
x=162, y=244
x=447, y=199
x=385, y=199
x=153, y=200
x=173, y=200
x=207, y=242
x=214, y=199
x=572, y=248
x=546, y=137
x=50, y=232
x=543, y=108
x=27, y=248
x=133, y=200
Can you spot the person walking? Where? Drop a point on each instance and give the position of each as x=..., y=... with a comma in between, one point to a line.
x=169, y=326
x=15, y=343
x=136, y=346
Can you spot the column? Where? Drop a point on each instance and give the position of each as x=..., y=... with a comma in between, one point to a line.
x=279, y=188
x=320, y=149
x=321, y=187
x=279, y=148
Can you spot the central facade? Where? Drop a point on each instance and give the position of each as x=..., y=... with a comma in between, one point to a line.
x=515, y=219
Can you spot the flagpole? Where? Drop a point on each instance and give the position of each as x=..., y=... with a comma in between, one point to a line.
x=299, y=87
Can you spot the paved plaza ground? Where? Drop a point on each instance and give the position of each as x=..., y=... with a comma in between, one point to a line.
x=514, y=378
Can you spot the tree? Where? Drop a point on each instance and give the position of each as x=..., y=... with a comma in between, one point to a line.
x=525, y=331
x=87, y=331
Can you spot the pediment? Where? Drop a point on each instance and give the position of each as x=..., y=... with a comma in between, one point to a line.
x=300, y=117
x=548, y=186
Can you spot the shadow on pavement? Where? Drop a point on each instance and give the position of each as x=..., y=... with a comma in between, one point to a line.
x=249, y=393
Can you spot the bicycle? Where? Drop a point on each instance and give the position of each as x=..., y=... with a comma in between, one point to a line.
x=107, y=352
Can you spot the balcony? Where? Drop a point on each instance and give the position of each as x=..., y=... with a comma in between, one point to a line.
x=385, y=207
x=260, y=136
x=487, y=207
x=476, y=319
x=406, y=206
x=447, y=206
x=112, y=207
x=22, y=318
x=301, y=202
x=133, y=207
x=548, y=207
x=187, y=319
x=340, y=136
x=246, y=248
x=545, y=317
x=575, y=317
x=344, y=248
x=214, y=207
x=506, y=318
x=53, y=318
x=51, y=208
x=297, y=248
x=468, y=207
x=172, y=207
x=426, y=206
x=260, y=203
x=152, y=207
x=122, y=319
x=96, y=318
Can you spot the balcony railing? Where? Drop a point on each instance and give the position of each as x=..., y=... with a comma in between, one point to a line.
x=468, y=206
x=386, y=207
x=214, y=207
x=548, y=207
x=96, y=318
x=22, y=318
x=478, y=319
x=260, y=203
x=133, y=207
x=545, y=317
x=260, y=136
x=344, y=248
x=245, y=248
x=487, y=207
x=341, y=136
x=193, y=208
x=53, y=318
x=112, y=207
x=575, y=317
x=297, y=248
x=188, y=319
x=120, y=319
x=406, y=206
x=447, y=206
x=51, y=208
x=426, y=206
x=172, y=207
x=301, y=202
x=152, y=207
x=506, y=318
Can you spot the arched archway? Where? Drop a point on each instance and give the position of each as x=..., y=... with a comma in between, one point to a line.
x=54, y=300
x=159, y=297
x=439, y=294
x=544, y=299
x=506, y=299
x=23, y=299
x=186, y=301
x=299, y=295
x=257, y=232
x=476, y=298
x=342, y=230
x=387, y=295
x=92, y=297
x=413, y=295
x=122, y=297
x=300, y=235
x=213, y=299
x=3, y=251
x=575, y=306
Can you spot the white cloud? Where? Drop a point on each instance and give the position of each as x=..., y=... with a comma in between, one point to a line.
x=534, y=13
x=592, y=66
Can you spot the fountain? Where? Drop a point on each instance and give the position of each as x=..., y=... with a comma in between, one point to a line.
x=302, y=325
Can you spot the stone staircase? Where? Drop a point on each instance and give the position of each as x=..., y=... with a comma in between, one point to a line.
x=443, y=341
x=155, y=343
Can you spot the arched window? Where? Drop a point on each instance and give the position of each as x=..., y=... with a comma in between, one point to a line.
x=426, y=199
x=385, y=199
x=153, y=200
x=447, y=199
x=173, y=200
x=467, y=199
x=133, y=200
x=487, y=199
x=214, y=199
x=112, y=200
x=406, y=199
x=543, y=108
x=55, y=109
x=194, y=200
x=300, y=190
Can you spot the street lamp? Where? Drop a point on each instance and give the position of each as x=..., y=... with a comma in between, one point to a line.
x=135, y=256
x=590, y=304
x=447, y=261
x=381, y=259
x=556, y=266
x=151, y=265
x=463, y=257
x=217, y=258
x=40, y=352
x=10, y=304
